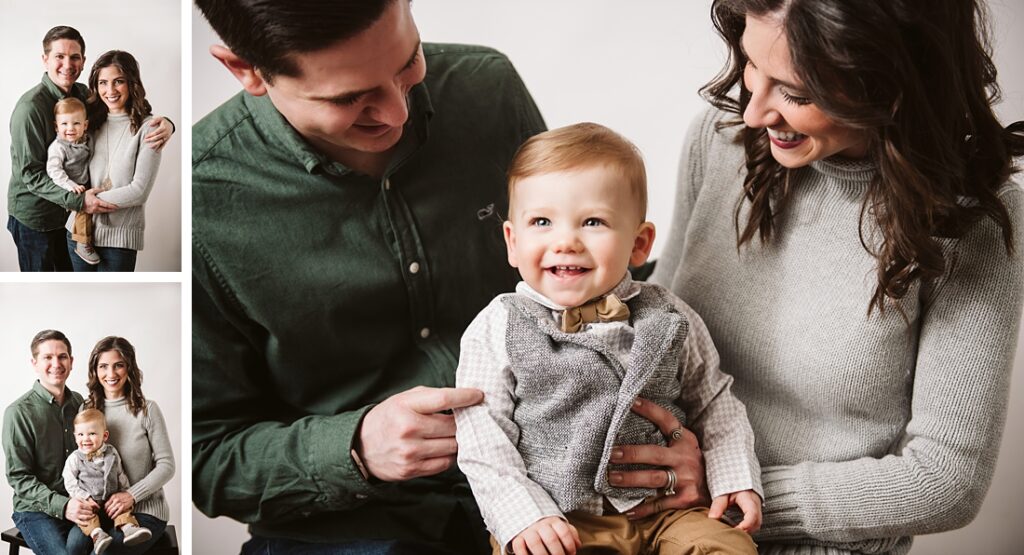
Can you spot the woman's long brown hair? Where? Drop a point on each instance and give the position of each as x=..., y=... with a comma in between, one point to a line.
x=133, y=383
x=917, y=78
x=137, y=106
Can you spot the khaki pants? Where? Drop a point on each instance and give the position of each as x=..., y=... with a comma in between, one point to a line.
x=679, y=532
x=119, y=521
x=81, y=229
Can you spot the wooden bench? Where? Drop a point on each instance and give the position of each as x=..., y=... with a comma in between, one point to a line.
x=166, y=545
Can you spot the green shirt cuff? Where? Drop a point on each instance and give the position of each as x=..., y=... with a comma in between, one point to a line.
x=336, y=474
x=56, y=506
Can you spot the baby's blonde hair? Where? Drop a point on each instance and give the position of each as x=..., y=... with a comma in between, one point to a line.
x=91, y=415
x=69, y=105
x=579, y=146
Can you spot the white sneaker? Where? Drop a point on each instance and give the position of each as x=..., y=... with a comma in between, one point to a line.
x=86, y=253
x=101, y=541
x=134, y=535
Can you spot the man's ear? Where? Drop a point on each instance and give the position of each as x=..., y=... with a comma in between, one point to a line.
x=246, y=74
x=510, y=243
x=642, y=244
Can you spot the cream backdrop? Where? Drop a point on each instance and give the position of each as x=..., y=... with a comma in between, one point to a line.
x=148, y=29
x=637, y=70
x=148, y=315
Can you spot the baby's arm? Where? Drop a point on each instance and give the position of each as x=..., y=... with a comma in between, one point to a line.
x=748, y=501
x=55, y=169
x=547, y=536
x=487, y=436
x=122, y=478
x=70, y=475
x=715, y=415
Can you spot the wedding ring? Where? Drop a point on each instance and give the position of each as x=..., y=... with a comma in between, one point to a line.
x=670, y=485
x=676, y=434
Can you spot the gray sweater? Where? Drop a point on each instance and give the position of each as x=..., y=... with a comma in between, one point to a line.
x=868, y=431
x=146, y=454
x=132, y=166
x=67, y=164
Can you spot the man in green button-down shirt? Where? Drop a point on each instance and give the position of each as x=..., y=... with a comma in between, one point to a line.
x=38, y=436
x=347, y=211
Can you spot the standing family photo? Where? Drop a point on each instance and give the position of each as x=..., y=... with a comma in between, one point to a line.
x=94, y=180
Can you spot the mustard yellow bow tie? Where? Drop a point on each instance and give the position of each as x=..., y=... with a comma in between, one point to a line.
x=97, y=454
x=607, y=309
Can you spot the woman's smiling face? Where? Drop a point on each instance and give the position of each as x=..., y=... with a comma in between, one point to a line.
x=112, y=371
x=113, y=89
x=799, y=131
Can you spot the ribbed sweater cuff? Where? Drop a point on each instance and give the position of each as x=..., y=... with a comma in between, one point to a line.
x=781, y=505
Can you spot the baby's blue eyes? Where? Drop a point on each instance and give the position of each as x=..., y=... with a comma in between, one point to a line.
x=592, y=222
x=545, y=222
x=540, y=222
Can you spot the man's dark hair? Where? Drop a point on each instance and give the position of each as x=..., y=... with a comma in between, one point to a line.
x=48, y=335
x=268, y=34
x=62, y=32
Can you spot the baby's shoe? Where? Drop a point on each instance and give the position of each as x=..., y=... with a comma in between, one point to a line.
x=100, y=541
x=87, y=253
x=134, y=535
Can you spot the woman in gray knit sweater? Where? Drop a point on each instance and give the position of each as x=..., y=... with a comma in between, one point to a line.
x=848, y=230
x=123, y=165
x=137, y=431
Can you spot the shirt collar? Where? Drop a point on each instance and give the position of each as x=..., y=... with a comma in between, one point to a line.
x=46, y=395
x=625, y=290
x=275, y=128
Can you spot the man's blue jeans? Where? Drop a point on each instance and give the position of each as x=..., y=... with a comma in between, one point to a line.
x=112, y=259
x=39, y=251
x=278, y=546
x=46, y=535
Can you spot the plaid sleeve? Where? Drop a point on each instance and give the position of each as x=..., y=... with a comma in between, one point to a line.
x=715, y=415
x=487, y=436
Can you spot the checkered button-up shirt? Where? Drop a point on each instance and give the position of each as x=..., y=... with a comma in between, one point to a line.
x=488, y=435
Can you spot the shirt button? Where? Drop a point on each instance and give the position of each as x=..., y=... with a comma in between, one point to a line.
x=360, y=496
x=387, y=184
x=425, y=333
x=414, y=268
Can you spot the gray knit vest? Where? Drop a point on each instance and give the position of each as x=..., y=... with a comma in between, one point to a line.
x=98, y=477
x=573, y=396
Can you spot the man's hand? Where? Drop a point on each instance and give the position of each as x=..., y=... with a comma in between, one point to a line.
x=748, y=502
x=79, y=511
x=548, y=536
x=92, y=204
x=78, y=189
x=120, y=502
x=682, y=455
x=157, y=138
x=406, y=436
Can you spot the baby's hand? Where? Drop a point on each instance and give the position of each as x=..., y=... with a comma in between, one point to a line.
x=748, y=502
x=548, y=536
x=78, y=189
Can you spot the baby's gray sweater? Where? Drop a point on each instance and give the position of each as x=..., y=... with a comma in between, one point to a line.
x=132, y=169
x=868, y=431
x=146, y=454
x=67, y=164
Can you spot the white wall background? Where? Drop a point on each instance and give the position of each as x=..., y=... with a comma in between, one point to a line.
x=147, y=315
x=148, y=29
x=637, y=70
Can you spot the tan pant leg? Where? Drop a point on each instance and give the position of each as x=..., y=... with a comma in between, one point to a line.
x=125, y=518
x=608, y=534
x=88, y=527
x=81, y=229
x=691, y=532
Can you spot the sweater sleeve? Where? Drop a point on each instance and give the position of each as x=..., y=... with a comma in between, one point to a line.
x=55, y=167
x=163, y=457
x=691, y=176
x=941, y=468
x=487, y=436
x=147, y=162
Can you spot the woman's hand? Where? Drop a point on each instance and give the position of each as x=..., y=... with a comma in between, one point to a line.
x=161, y=133
x=120, y=502
x=682, y=456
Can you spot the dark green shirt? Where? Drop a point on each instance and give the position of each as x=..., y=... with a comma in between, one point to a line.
x=39, y=434
x=319, y=291
x=32, y=197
